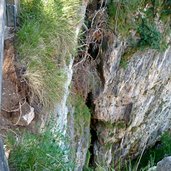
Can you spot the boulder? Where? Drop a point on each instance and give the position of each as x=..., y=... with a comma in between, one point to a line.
x=164, y=165
x=152, y=168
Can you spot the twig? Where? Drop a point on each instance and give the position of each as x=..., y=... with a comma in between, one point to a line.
x=141, y=154
x=8, y=129
x=101, y=10
x=86, y=28
x=20, y=105
x=9, y=111
x=82, y=60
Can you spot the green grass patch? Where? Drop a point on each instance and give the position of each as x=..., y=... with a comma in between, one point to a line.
x=122, y=15
x=45, y=39
x=127, y=56
x=152, y=155
x=127, y=17
x=30, y=152
x=82, y=112
x=158, y=152
x=86, y=166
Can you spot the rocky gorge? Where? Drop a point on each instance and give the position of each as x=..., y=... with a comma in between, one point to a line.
x=115, y=100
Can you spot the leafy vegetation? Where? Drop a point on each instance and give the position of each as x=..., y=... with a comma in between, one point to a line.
x=153, y=155
x=31, y=152
x=82, y=118
x=138, y=18
x=45, y=39
x=125, y=15
x=149, y=35
x=149, y=158
x=159, y=151
x=81, y=114
x=122, y=14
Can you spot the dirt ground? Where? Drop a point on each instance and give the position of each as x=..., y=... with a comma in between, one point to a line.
x=15, y=92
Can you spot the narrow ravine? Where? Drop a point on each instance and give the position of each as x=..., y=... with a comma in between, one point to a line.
x=86, y=84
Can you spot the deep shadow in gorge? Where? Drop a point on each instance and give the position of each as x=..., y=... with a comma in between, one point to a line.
x=93, y=133
x=94, y=138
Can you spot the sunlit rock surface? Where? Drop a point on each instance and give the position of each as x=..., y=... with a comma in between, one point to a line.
x=134, y=107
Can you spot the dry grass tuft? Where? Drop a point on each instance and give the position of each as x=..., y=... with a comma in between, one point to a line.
x=45, y=41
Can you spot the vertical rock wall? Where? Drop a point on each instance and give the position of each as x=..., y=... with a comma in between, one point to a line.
x=131, y=104
x=134, y=108
x=2, y=29
x=70, y=121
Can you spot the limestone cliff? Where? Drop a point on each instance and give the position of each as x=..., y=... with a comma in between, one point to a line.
x=130, y=104
x=115, y=95
x=134, y=108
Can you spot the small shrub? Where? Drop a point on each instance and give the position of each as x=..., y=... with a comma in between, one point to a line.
x=123, y=63
x=129, y=52
x=149, y=35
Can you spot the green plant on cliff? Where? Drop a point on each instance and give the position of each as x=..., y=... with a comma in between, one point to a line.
x=159, y=151
x=45, y=39
x=122, y=14
x=149, y=159
x=82, y=118
x=81, y=115
x=38, y=152
x=149, y=35
x=136, y=18
x=126, y=15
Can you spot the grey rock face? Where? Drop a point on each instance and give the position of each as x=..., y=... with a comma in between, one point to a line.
x=2, y=29
x=12, y=8
x=134, y=107
x=152, y=168
x=79, y=131
x=65, y=114
x=164, y=165
x=3, y=160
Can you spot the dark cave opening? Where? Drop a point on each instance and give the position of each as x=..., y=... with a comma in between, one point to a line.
x=93, y=133
x=89, y=101
x=94, y=138
x=93, y=51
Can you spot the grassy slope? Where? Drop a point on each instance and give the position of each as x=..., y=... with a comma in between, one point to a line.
x=45, y=42
x=45, y=39
x=38, y=152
